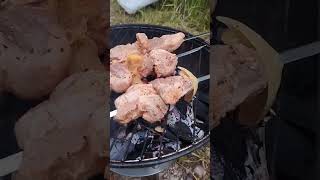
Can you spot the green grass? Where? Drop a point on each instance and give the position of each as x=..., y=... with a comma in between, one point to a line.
x=189, y=15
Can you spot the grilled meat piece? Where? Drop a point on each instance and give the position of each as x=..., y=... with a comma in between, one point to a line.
x=161, y=61
x=143, y=42
x=140, y=100
x=169, y=42
x=164, y=62
x=144, y=45
x=120, y=77
x=146, y=67
x=32, y=62
x=237, y=75
x=65, y=137
x=121, y=52
x=172, y=88
x=153, y=108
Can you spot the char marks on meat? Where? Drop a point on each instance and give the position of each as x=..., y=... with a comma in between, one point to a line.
x=172, y=88
x=140, y=100
x=120, y=77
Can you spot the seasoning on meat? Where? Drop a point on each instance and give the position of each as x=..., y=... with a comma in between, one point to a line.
x=164, y=62
x=161, y=61
x=120, y=77
x=172, y=88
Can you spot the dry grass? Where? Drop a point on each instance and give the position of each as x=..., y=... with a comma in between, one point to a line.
x=199, y=157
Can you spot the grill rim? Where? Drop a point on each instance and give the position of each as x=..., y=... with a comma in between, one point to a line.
x=181, y=152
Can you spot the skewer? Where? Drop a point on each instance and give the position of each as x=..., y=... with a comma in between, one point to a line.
x=199, y=35
x=299, y=53
x=10, y=164
x=191, y=51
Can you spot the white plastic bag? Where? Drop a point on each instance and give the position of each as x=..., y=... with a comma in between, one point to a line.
x=132, y=6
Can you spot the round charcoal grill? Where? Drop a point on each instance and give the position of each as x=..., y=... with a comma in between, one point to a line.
x=138, y=149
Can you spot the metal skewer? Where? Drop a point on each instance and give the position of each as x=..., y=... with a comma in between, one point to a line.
x=191, y=51
x=199, y=35
x=302, y=52
x=10, y=164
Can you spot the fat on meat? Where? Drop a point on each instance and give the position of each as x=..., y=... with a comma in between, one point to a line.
x=172, y=88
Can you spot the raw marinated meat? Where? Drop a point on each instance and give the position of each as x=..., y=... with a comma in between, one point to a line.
x=237, y=75
x=66, y=137
x=144, y=45
x=153, y=108
x=120, y=77
x=164, y=62
x=172, y=88
x=140, y=100
x=169, y=42
x=121, y=52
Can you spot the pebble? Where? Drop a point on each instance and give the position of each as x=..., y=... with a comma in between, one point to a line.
x=199, y=171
